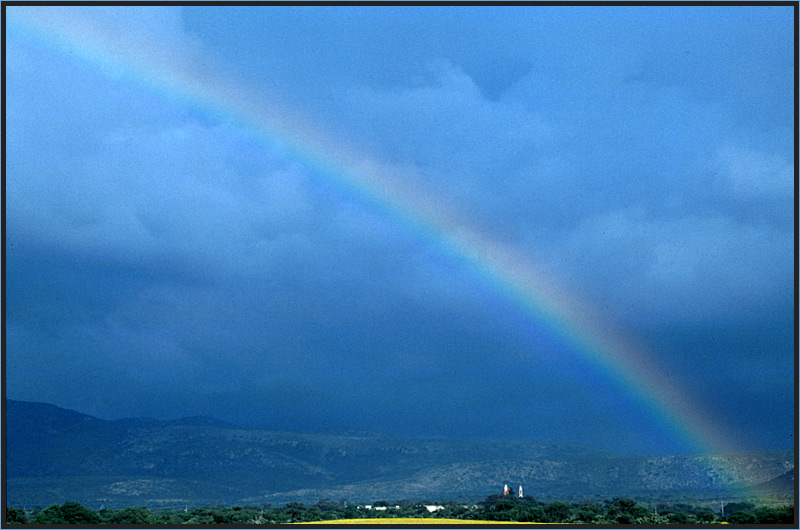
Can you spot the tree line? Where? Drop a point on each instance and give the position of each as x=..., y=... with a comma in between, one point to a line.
x=494, y=508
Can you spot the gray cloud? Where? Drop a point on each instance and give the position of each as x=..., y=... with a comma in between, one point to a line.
x=184, y=265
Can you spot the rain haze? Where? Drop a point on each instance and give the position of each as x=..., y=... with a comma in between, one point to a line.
x=416, y=221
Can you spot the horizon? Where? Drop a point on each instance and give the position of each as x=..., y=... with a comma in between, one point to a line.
x=344, y=431
x=543, y=223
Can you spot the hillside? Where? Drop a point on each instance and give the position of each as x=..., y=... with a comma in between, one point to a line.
x=56, y=454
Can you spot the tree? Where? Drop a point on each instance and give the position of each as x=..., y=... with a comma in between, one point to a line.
x=452, y=509
x=295, y=511
x=678, y=518
x=742, y=517
x=504, y=504
x=128, y=516
x=171, y=517
x=68, y=513
x=327, y=505
x=75, y=513
x=200, y=518
x=705, y=515
x=16, y=516
x=50, y=515
x=733, y=507
x=777, y=515
x=557, y=512
x=626, y=511
x=589, y=513
x=537, y=513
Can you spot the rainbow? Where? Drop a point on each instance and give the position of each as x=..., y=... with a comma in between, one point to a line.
x=382, y=187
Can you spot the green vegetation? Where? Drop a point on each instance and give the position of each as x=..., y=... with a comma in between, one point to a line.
x=494, y=508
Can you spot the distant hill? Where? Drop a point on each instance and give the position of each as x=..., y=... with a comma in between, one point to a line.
x=780, y=485
x=55, y=455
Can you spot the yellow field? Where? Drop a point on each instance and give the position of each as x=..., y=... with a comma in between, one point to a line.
x=424, y=520
x=411, y=520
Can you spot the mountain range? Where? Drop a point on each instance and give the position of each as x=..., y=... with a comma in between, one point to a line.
x=53, y=455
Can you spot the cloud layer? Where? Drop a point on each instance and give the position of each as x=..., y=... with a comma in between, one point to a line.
x=184, y=265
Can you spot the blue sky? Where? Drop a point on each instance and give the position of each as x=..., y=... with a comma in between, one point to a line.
x=164, y=258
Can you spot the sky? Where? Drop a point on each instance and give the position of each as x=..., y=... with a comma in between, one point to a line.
x=413, y=221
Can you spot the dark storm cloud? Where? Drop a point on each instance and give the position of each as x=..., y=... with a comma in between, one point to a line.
x=183, y=265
